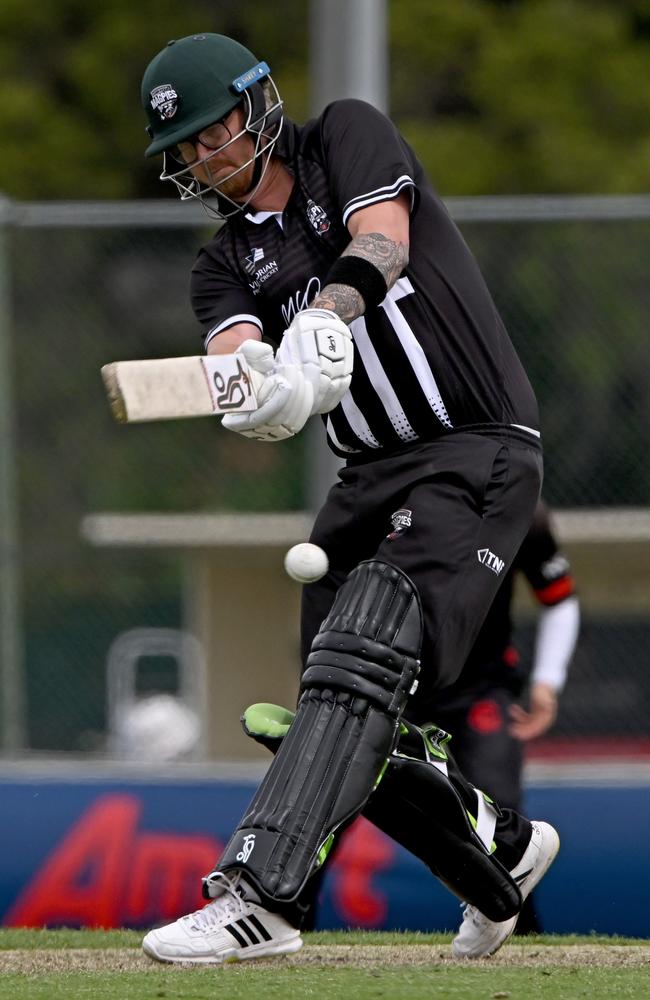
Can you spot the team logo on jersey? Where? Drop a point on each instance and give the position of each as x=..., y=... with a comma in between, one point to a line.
x=164, y=100
x=489, y=559
x=254, y=256
x=317, y=217
x=401, y=520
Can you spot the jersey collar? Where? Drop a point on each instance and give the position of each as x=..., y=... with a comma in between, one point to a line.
x=259, y=217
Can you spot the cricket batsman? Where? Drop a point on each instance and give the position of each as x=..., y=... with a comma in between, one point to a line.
x=339, y=276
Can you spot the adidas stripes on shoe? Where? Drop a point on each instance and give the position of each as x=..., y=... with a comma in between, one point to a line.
x=232, y=928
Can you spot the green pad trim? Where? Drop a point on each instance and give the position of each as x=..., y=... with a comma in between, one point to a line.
x=492, y=848
x=264, y=719
x=435, y=740
x=324, y=850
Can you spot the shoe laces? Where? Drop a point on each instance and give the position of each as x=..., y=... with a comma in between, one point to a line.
x=473, y=916
x=230, y=904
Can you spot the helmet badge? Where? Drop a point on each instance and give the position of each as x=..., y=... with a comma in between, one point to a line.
x=164, y=100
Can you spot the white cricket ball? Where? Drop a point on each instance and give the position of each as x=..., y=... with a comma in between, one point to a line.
x=306, y=563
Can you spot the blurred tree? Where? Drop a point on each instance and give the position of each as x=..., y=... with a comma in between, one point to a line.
x=70, y=85
x=516, y=96
x=496, y=95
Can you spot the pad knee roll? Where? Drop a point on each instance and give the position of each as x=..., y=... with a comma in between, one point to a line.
x=369, y=644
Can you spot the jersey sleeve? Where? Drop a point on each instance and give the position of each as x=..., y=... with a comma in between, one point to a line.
x=219, y=299
x=546, y=568
x=366, y=159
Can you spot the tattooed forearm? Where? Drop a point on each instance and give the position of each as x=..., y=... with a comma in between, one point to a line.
x=389, y=257
x=344, y=300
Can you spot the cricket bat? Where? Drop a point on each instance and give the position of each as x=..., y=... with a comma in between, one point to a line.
x=171, y=388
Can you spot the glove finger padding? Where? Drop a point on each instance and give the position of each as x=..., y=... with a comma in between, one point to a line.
x=321, y=345
x=285, y=400
x=258, y=355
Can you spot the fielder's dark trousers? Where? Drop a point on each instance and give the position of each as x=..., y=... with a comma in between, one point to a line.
x=465, y=503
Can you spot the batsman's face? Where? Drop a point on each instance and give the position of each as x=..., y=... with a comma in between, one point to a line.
x=221, y=156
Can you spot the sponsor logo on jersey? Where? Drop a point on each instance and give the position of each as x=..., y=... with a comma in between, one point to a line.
x=263, y=274
x=164, y=100
x=300, y=301
x=317, y=217
x=489, y=559
x=401, y=520
x=256, y=254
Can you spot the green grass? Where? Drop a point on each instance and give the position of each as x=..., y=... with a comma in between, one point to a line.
x=286, y=981
x=11, y=938
x=244, y=982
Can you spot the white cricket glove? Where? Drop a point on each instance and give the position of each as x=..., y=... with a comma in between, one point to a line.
x=285, y=397
x=321, y=345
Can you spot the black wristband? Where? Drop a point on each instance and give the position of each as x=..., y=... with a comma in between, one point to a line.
x=359, y=273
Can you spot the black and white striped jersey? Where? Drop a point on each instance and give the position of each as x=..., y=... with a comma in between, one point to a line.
x=434, y=357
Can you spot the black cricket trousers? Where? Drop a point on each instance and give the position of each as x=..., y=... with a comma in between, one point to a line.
x=451, y=514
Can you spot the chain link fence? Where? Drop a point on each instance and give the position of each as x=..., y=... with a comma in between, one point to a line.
x=85, y=284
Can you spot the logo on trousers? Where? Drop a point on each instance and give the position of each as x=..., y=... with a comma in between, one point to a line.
x=247, y=848
x=490, y=560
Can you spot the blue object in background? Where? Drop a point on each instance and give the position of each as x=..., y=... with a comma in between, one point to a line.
x=113, y=853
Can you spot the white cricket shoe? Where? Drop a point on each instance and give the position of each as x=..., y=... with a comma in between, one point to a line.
x=229, y=929
x=479, y=937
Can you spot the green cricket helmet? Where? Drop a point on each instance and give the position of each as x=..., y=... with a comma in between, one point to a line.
x=192, y=84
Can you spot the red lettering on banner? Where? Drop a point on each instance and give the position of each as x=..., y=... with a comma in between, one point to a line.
x=165, y=876
x=104, y=874
x=364, y=851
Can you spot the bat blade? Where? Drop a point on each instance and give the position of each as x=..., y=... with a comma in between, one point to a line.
x=174, y=388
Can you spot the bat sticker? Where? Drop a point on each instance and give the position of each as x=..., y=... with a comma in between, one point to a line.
x=234, y=391
x=230, y=383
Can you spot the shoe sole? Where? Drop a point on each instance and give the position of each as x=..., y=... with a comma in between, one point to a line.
x=235, y=955
x=548, y=853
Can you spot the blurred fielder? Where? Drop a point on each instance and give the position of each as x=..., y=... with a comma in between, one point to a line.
x=483, y=709
x=341, y=279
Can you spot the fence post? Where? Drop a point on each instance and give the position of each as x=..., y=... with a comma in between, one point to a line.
x=11, y=656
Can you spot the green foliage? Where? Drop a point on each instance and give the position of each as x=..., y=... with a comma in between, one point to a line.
x=497, y=96
x=539, y=96
x=70, y=76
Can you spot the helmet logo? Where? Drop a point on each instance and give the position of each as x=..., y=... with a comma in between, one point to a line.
x=164, y=100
